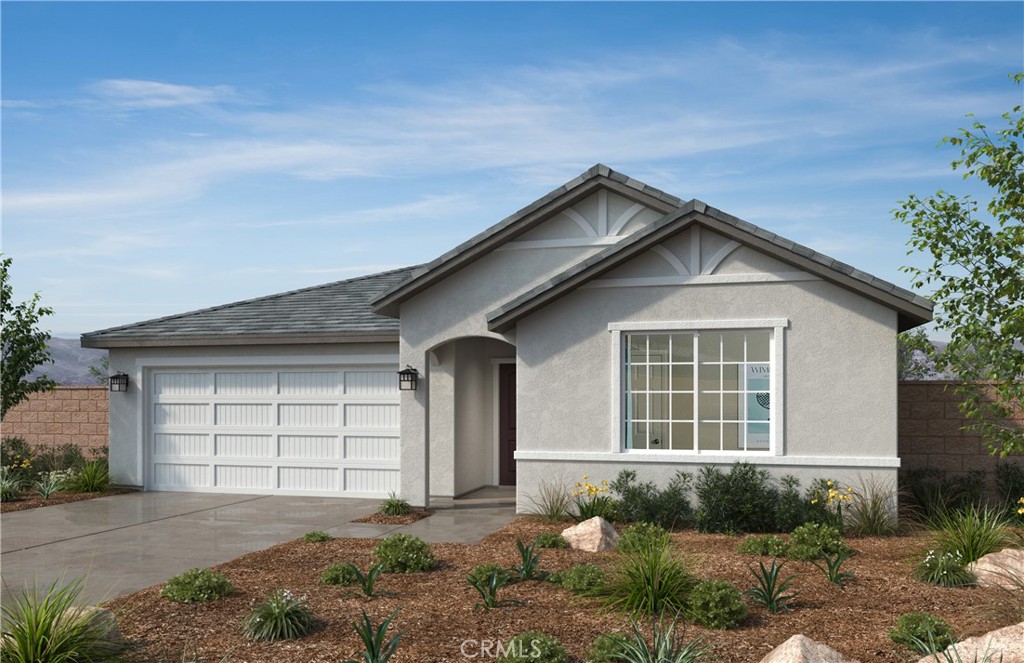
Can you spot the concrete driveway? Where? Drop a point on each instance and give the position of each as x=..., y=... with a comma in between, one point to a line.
x=124, y=543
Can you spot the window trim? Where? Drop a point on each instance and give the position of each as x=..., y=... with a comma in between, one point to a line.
x=776, y=358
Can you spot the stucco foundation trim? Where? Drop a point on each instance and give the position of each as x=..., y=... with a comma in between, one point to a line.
x=669, y=458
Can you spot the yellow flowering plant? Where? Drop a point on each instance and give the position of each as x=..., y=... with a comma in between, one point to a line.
x=592, y=499
x=828, y=495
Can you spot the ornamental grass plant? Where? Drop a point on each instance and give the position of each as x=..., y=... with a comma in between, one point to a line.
x=282, y=616
x=648, y=582
x=972, y=531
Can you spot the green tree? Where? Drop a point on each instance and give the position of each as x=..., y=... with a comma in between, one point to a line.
x=977, y=274
x=912, y=355
x=101, y=374
x=24, y=344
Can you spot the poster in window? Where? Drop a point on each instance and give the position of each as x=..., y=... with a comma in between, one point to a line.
x=758, y=388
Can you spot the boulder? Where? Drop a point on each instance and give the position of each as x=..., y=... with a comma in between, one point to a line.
x=1000, y=569
x=1005, y=645
x=801, y=649
x=592, y=535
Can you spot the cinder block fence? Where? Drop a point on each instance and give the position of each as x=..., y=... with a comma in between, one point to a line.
x=76, y=415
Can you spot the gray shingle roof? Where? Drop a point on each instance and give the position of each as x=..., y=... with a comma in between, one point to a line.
x=334, y=311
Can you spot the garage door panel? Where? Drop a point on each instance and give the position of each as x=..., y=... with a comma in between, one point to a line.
x=181, y=414
x=274, y=429
x=311, y=447
x=244, y=446
x=319, y=479
x=181, y=444
x=244, y=384
x=371, y=448
x=244, y=476
x=308, y=415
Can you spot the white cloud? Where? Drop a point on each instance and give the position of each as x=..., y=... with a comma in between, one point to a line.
x=131, y=94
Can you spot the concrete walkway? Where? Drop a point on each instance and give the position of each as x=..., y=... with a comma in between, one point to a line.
x=124, y=543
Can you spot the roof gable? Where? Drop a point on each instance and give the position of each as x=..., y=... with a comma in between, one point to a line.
x=515, y=226
x=912, y=309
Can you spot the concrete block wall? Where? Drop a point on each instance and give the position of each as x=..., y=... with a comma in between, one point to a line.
x=931, y=433
x=76, y=415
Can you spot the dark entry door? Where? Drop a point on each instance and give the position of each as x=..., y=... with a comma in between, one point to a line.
x=506, y=424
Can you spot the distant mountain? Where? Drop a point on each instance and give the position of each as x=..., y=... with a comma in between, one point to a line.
x=71, y=362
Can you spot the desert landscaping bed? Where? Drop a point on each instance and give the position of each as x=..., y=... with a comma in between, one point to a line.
x=33, y=501
x=437, y=613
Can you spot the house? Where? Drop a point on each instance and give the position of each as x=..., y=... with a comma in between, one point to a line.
x=607, y=325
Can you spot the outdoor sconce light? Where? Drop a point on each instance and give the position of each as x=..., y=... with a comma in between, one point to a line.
x=119, y=382
x=407, y=378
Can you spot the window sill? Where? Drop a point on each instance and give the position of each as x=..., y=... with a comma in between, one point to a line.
x=689, y=458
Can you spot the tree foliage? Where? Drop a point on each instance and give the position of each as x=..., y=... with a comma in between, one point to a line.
x=24, y=344
x=912, y=355
x=977, y=274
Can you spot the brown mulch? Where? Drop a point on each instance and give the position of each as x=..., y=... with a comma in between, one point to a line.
x=436, y=613
x=32, y=501
x=407, y=519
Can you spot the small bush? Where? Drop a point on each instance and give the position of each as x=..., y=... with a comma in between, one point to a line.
x=48, y=484
x=929, y=491
x=535, y=647
x=550, y=540
x=922, y=632
x=394, y=506
x=945, y=569
x=716, y=604
x=644, y=502
x=15, y=453
x=608, y=648
x=764, y=544
x=552, y=503
x=872, y=511
x=317, y=536
x=972, y=532
x=92, y=477
x=339, y=574
x=1010, y=487
x=197, y=586
x=648, y=582
x=10, y=485
x=57, y=458
x=741, y=501
x=46, y=627
x=581, y=578
x=808, y=541
x=403, y=553
x=665, y=646
x=482, y=571
x=793, y=510
x=643, y=535
x=487, y=586
x=282, y=616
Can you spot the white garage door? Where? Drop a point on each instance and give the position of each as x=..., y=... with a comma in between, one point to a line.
x=287, y=431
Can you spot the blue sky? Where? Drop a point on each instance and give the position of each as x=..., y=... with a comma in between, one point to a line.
x=162, y=157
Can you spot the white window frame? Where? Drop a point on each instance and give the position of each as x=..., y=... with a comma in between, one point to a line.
x=776, y=358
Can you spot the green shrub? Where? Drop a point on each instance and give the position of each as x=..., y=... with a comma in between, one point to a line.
x=793, y=509
x=763, y=544
x=943, y=568
x=808, y=541
x=643, y=535
x=608, y=648
x=339, y=574
x=45, y=627
x=535, y=647
x=581, y=578
x=552, y=503
x=487, y=585
x=16, y=457
x=771, y=589
x=644, y=502
x=48, y=484
x=971, y=531
x=872, y=511
x=930, y=491
x=648, y=582
x=741, y=501
x=197, y=586
x=10, y=485
x=57, y=458
x=317, y=536
x=394, y=506
x=482, y=571
x=716, y=604
x=283, y=616
x=1010, y=487
x=91, y=477
x=665, y=645
x=922, y=632
x=550, y=540
x=403, y=553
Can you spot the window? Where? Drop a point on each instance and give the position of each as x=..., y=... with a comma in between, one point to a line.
x=700, y=391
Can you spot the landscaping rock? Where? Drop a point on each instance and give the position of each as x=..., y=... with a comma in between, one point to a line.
x=801, y=649
x=594, y=535
x=1000, y=569
x=1005, y=645
x=108, y=632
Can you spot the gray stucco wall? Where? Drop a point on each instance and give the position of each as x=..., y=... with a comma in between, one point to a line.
x=126, y=425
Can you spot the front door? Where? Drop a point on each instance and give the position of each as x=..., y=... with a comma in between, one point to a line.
x=506, y=424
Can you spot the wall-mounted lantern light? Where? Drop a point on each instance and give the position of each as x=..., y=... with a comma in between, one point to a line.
x=407, y=378
x=119, y=382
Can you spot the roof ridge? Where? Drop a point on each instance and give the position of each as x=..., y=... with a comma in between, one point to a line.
x=221, y=307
